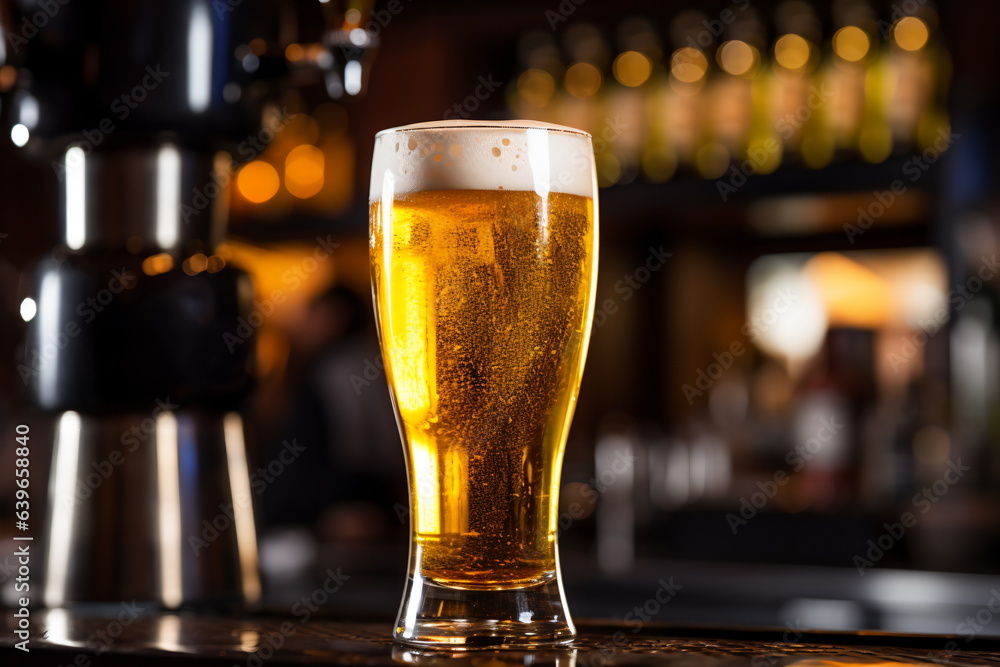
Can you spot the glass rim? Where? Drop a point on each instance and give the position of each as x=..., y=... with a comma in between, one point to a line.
x=448, y=125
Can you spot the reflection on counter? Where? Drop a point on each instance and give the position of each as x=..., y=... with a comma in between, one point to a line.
x=147, y=635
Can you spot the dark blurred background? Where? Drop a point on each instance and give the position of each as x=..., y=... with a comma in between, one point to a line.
x=792, y=396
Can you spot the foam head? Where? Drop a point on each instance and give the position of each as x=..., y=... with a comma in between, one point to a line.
x=482, y=155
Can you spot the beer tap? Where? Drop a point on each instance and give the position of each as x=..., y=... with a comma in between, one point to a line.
x=139, y=107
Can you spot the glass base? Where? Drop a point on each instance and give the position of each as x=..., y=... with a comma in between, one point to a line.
x=435, y=616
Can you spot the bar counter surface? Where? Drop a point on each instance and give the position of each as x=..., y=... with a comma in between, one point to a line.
x=128, y=636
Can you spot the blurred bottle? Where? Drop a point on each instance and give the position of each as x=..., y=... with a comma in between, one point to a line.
x=854, y=50
x=659, y=159
x=588, y=56
x=723, y=94
x=532, y=95
x=617, y=449
x=918, y=70
x=832, y=403
x=763, y=146
x=975, y=350
x=730, y=92
x=628, y=128
x=690, y=127
x=800, y=115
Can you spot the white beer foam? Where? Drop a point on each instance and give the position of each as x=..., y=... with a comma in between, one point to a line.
x=482, y=155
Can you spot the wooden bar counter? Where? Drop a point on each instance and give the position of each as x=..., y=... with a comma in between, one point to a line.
x=132, y=636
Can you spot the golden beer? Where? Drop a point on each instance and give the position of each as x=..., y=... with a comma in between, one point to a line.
x=484, y=302
x=483, y=256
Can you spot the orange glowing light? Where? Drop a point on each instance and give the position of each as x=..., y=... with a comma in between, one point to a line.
x=632, y=68
x=304, y=171
x=195, y=264
x=851, y=43
x=792, y=52
x=315, y=52
x=269, y=269
x=7, y=77
x=216, y=264
x=583, y=80
x=854, y=295
x=294, y=52
x=737, y=57
x=156, y=264
x=536, y=87
x=910, y=33
x=688, y=64
x=258, y=181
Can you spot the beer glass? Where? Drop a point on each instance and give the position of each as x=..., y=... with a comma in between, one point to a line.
x=483, y=244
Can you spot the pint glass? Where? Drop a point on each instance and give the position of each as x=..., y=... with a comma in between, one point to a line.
x=483, y=245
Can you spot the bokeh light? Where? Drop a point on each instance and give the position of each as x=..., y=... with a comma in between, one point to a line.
x=737, y=57
x=853, y=294
x=712, y=160
x=294, y=52
x=783, y=303
x=258, y=181
x=792, y=52
x=659, y=163
x=688, y=65
x=8, y=75
x=910, y=33
x=817, y=149
x=632, y=68
x=875, y=143
x=304, y=168
x=583, y=80
x=609, y=168
x=157, y=264
x=28, y=309
x=851, y=43
x=536, y=87
x=19, y=135
x=195, y=264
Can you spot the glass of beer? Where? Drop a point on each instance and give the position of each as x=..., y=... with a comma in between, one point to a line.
x=483, y=244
